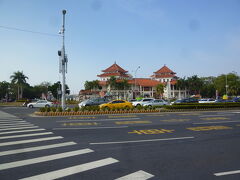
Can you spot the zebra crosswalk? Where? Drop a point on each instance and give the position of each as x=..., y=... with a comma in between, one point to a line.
x=29, y=152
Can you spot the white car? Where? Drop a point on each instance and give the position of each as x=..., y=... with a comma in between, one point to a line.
x=208, y=100
x=142, y=101
x=40, y=103
x=156, y=102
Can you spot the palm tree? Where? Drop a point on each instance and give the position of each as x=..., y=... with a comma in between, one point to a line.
x=19, y=79
x=180, y=85
x=122, y=85
x=160, y=90
x=195, y=84
x=112, y=82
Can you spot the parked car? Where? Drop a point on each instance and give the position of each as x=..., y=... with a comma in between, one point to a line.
x=186, y=100
x=156, y=102
x=223, y=100
x=40, y=103
x=207, y=100
x=116, y=104
x=236, y=99
x=93, y=102
x=132, y=100
x=142, y=101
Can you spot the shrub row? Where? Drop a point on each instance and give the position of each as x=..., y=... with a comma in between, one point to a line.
x=93, y=109
x=203, y=106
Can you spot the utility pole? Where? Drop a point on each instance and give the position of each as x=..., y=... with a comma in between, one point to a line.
x=63, y=61
x=135, y=82
x=226, y=86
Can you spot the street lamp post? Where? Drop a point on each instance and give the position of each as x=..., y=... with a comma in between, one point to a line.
x=63, y=61
x=226, y=86
x=135, y=81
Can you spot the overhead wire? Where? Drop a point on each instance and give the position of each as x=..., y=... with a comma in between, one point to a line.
x=29, y=31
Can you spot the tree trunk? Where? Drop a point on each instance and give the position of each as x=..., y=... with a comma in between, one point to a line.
x=18, y=92
x=21, y=92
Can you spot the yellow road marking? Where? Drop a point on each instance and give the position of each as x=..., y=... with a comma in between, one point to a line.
x=133, y=122
x=122, y=116
x=214, y=118
x=82, y=117
x=175, y=120
x=151, y=131
x=81, y=124
x=209, y=128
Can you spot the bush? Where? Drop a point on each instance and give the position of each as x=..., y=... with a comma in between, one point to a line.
x=127, y=108
x=42, y=109
x=60, y=109
x=76, y=109
x=48, y=109
x=139, y=107
x=69, y=109
x=54, y=109
x=145, y=108
x=203, y=106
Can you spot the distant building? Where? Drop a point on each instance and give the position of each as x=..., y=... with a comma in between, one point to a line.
x=144, y=87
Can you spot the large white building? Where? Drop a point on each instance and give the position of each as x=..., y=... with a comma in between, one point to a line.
x=144, y=87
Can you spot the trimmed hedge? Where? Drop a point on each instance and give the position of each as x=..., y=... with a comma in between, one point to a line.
x=202, y=105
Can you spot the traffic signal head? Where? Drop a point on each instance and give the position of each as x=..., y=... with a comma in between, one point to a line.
x=59, y=53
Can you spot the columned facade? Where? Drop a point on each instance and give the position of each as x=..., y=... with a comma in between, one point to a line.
x=138, y=87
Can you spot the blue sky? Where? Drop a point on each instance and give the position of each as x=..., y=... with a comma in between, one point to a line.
x=192, y=37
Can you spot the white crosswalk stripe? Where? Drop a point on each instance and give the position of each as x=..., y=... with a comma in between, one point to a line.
x=43, y=159
x=139, y=175
x=24, y=127
x=9, y=119
x=14, y=132
x=73, y=170
x=30, y=141
x=37, y=148
x=2, y=122
x=11, y=127
x=16, y=125
x=26, y=135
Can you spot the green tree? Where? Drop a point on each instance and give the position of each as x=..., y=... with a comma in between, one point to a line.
x=112, y=82
x=160, y=90
x=194, y=84
x=208, y=89
x=232, y=80
x=57, y=87
x=4, y=89
x=19, y=79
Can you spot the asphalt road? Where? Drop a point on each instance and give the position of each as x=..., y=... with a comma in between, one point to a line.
x=162, y=146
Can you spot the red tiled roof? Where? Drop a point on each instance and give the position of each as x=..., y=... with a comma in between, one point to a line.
x=162, y=76
x=113, y=74
x=144, y=82
x=114, y=68
x=164, y=70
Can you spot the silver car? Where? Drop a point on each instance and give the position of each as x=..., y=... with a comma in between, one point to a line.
x=142, y=102
x=156, y=102
x=40, y=103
